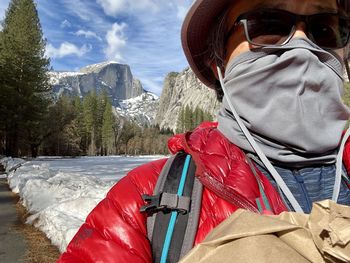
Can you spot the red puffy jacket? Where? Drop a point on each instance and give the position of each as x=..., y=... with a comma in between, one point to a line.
x=115, y=231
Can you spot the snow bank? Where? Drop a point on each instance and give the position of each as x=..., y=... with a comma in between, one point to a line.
x=59, y=193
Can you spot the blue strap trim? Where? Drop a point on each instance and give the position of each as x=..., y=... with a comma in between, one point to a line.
x=169, y=233
x=181, y=188
x=265, y=200
x=257, y=200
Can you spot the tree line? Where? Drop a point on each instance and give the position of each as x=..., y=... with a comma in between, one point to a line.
x=90, y=126
x=190, y=118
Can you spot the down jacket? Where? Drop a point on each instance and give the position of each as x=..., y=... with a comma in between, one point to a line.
x=115, y=231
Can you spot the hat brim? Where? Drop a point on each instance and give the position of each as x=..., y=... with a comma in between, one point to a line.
x=195, y=31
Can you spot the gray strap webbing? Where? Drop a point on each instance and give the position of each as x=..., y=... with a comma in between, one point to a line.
x=159, y=186
x=193, y=218
x=183, y=203
x=175, y=201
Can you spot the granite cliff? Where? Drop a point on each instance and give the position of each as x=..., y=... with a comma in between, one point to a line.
x=127, y=94
x=116, y=79
x=179, y=90
x=131, y=100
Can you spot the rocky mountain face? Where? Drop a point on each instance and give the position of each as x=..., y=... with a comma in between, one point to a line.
x=130, y=99
x=112, y=77
x=141, y=109
x=179, y=90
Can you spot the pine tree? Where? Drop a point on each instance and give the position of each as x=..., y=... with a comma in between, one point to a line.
x=102, y=100
x=118, y=125
x=24, y=81
x=107, y=130
x=90, y=108
x=79, y=117
x=61, y=115
x=71, y=139
x=129, y=131
x=197, y=117
x=188, y=118
x=180, y=124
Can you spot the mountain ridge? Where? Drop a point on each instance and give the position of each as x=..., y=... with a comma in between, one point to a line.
x=115, y=78
x=130, y=100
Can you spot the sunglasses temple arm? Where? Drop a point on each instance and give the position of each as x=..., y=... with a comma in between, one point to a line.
x=347, y=67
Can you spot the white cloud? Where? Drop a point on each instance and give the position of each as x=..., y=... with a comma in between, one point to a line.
x=87, y=34
x=80, y=8
x=65, y=23
x=111, y=7
x=116, y=41
x=115, y=7
x=67, y=49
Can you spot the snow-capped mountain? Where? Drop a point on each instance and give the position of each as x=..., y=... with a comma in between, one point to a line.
x=127, y=94
x=131, y=100
x=114, y=78
x=141, y=109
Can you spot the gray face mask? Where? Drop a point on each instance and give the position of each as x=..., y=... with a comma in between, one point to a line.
x=289, y=98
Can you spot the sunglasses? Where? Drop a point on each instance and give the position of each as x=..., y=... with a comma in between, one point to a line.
x=275, y=27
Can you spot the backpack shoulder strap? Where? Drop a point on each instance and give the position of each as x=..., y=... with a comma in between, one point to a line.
x=157, y=190
x=174, y=209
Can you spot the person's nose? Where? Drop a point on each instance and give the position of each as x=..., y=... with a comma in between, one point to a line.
x=300, y=30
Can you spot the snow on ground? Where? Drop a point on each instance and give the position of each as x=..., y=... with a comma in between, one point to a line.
x=60, y=192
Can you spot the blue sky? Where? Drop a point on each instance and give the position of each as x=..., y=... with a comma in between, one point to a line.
x=144, y=34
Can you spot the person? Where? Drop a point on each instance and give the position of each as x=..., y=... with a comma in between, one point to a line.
x=278, y=66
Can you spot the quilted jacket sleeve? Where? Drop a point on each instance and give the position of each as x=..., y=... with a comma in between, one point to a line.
x=115, y=230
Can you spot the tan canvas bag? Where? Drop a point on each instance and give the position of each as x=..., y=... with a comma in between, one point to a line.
x=322, y=236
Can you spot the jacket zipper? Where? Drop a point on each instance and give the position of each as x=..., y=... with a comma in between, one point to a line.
x=226, y=194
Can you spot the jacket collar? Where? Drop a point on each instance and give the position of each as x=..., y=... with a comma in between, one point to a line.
x=223, y=168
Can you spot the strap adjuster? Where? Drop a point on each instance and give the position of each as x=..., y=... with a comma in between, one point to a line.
x=166, y=203
x=153, y=204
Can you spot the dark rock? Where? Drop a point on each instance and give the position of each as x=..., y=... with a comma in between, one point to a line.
x=114, y=78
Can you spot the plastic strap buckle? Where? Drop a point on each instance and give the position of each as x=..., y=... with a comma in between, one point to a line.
x=166, y=203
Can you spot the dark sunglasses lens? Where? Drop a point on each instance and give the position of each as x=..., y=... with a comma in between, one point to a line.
x=269, y=27
x=329, y=31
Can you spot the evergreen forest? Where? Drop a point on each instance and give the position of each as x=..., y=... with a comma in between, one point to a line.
x=89, y=126
x=33, y=122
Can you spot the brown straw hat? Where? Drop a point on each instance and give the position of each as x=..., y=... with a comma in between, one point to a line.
x=195, y=31
x=196, y=28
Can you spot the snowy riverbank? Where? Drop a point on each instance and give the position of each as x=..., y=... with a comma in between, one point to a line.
x=60, y=192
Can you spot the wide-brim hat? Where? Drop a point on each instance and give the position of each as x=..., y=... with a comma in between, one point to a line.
x=198, y=23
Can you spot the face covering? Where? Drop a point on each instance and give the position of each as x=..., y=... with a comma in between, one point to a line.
x=289, y=98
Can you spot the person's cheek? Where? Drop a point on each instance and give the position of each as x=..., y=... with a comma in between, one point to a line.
x=236, y=45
